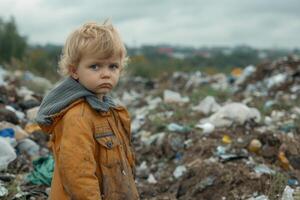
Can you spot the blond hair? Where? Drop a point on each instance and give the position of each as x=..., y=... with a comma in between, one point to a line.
x=91, y=37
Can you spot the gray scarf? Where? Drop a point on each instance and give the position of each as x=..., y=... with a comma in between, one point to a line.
x=65, y=94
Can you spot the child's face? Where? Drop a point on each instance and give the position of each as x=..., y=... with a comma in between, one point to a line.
x=97, y=75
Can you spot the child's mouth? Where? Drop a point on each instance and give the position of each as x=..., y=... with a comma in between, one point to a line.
x=105, y=85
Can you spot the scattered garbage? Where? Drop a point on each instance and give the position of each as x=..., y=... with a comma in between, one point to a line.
x=293, y=182
x=233, y=113
x=3, y=191
x=226, y=139
x=43, y=171
x=179, y=171
x=177, y=128
x=29, y=147
x=207, y=105
x=263, y=169
x=255, y=146
x=174, y=97
x=7, y=153
x=284, y=162
x=151, y=179
x=244, y=131
x=288, y=193
x=261, y=197
x=203, y=184
x=206, y=127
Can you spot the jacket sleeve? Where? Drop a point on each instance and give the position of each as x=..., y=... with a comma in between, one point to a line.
x=77, y=164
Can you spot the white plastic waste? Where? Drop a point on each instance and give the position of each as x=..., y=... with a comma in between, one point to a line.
x=24, y=92
x=3, y=73
x=151, y=179
x=179, y=171
x=207, y=105
x=277, y=115
x=194, y=80
x=32, y=113
x=19, y=114
x=261, y=197
x=232, y=113
x=3, y=191
x=153, y=103
x=174, y=97
x=206, y=127
x=175, y=127
x=137, y=123
x=288, y=193
x=250, y=69
x=276, y=80
x=148, y=139
x=30, y=147
x=219, y=81
x=7, y=153
x=263, y=169
x=129, y=97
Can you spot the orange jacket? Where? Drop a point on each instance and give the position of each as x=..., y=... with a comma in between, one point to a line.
x=93, y=154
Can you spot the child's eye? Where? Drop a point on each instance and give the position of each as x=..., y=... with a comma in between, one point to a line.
x=94, y=67
x=113, y=66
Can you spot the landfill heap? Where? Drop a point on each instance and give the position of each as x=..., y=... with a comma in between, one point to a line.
x=196, y=136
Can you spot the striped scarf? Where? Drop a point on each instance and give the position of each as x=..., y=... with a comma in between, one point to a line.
x=64, y=94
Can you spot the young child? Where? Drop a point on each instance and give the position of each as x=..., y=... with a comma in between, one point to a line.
x=90, y=134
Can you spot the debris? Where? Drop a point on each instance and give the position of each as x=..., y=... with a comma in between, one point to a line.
x=151, y=179
x=207, y=105
x=209, y=181
x=18, y=131
x=174, y=97
x=3, y=191
x=7, y=153
x=284, y=162
x=233, y=113
x=29, y=147
x=226, y=139
x=261, y=197
x=287, y=193
x=142, y=170
x=263, y=169
x=177, y=128
x=43, y=171
x=293, y=182
x=206, y=127
x=254, y=146
x=32, y=113
x=174, y=161
x=179, y=171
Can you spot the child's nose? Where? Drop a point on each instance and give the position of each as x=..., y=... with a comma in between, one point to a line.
x=106, y=73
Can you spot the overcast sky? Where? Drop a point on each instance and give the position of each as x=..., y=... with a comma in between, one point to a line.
x=259, y=23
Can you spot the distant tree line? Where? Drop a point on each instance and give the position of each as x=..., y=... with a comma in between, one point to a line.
x=12, y=44
x=147, y=61
x=16, y=53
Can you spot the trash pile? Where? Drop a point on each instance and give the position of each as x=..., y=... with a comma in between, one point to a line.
x=25, y=161
x=196, y=136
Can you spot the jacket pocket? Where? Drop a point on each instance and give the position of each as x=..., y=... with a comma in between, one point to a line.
x=108, y=148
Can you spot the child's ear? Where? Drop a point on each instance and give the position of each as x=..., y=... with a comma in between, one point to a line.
x=73, y=72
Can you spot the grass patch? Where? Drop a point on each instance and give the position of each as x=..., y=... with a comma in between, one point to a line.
x=277, y=184
x=206, y=90
x=12, y=190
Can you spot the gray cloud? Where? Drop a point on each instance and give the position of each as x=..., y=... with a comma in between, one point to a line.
x=229, y=22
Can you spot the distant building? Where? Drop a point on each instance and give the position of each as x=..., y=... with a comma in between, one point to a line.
x=165, y=50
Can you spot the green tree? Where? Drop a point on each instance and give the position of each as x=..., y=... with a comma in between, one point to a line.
x=12, y=44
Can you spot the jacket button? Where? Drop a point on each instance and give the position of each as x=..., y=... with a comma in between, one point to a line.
x=109, y=144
